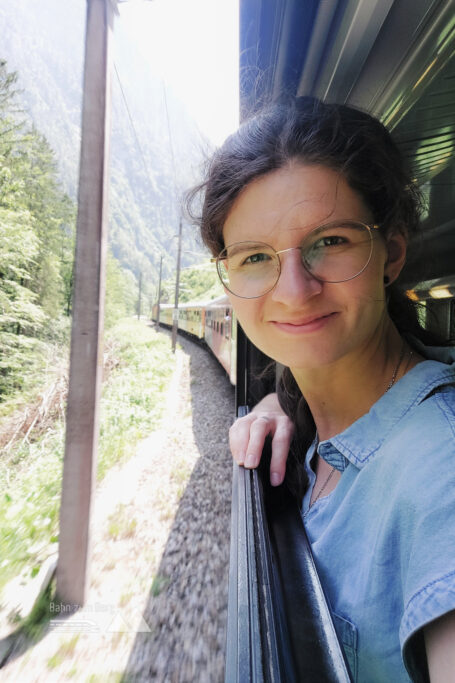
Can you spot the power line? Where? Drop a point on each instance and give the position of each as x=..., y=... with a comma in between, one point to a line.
x=149, y=177
x=174, y=175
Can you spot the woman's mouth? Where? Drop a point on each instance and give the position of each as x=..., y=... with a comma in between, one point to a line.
x=304, y=325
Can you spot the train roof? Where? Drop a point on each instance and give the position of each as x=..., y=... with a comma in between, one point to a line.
x=393, y=58
x=219, y=301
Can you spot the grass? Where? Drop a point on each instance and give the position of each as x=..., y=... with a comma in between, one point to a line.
x=40, y=367
x=30, y=479
x=159, y=583
x=121, y=524
x=65, y=650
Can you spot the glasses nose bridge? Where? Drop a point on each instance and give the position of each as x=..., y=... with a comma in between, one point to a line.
x=283, y=251
x=301, y=262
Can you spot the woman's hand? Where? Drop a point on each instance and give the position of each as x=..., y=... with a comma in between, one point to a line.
x=247, y=437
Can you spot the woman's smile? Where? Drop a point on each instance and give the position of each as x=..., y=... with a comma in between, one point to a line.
x=305, y=325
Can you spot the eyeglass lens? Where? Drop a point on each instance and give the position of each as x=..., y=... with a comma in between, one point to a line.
x=331, y=253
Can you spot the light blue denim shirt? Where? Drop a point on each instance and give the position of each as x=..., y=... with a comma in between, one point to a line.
x=384, y=539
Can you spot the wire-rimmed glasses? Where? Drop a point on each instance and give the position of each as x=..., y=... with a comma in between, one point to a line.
x=334, y=252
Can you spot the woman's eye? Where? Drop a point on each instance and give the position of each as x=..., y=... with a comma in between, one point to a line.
x=331, y=241
x=257, y=258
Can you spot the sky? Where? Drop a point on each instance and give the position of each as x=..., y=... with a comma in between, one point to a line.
x=193, y=46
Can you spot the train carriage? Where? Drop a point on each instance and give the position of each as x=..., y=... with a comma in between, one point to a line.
x=212, y=322
x=191, y=317
x=220, y=333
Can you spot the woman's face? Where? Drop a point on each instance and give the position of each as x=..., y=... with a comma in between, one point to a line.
x=303, y=322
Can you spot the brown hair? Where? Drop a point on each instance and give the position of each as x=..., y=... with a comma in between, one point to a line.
x=339, y=137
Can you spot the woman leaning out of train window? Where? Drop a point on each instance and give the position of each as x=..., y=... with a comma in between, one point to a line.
x=308, y=209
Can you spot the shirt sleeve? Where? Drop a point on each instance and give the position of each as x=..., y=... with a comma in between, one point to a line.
x=428, y=526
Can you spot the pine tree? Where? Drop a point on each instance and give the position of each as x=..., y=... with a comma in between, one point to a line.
x=36, y=241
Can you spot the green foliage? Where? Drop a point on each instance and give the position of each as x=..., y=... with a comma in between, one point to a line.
x=121, y=292
x=36, y=242
x=132, y=405
x=35, y=624
x=197, y=283
x=30, y=477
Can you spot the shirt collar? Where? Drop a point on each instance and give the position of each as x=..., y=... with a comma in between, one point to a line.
x=359, y=443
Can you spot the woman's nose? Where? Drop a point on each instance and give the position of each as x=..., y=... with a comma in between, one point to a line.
x=295, y=284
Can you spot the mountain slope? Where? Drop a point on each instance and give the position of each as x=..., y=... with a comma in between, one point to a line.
x=44, y=42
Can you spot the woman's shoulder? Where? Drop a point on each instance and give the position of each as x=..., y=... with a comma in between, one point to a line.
x=433, y=409
x=425, y=434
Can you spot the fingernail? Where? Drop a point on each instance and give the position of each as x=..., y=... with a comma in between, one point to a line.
x=239, y=459
x=250, y=461
x=275, y=479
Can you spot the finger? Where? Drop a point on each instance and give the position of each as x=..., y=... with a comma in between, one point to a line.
x=280, y=449
x=260, y=428
x=239, y=436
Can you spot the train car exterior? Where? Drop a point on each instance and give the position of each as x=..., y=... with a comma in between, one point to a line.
x=191, y=317
x=212, y=321
x=221, y=334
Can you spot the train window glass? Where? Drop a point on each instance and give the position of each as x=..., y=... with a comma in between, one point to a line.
x=438, y=318
x=452, y=321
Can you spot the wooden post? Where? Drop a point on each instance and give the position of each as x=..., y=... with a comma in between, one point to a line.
x=139, y=303
x=86, y=365
x=175, y=314
x=159, y=294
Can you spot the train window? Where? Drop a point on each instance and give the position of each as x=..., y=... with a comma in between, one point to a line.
x=452, y=321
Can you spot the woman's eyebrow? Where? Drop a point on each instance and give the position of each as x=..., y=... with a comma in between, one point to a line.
x=238, y=247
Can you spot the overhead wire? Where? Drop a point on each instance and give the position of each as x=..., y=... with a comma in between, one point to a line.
x=133, y=127
x=174, y=175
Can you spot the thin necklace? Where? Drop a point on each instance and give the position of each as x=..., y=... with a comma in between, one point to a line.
x=390, y=385
x=400, y=360
x=332, y=471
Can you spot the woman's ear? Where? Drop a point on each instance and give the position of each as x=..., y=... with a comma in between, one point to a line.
x=396, y=245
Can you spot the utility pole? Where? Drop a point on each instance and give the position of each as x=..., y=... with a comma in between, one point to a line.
x=175, y=314
x=139, y=303
x=159, y=294
x=86, y=365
